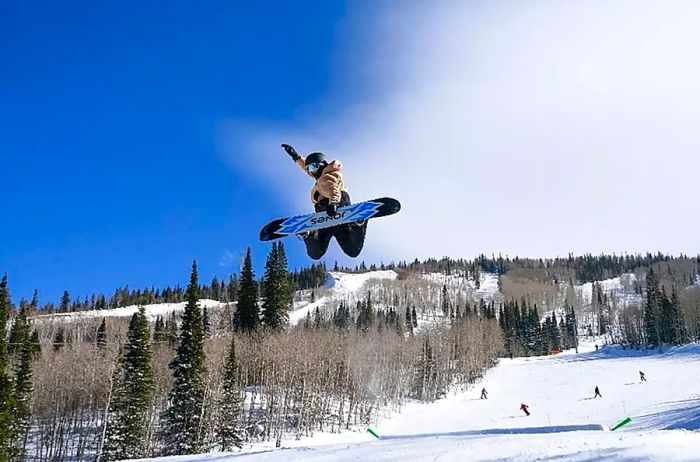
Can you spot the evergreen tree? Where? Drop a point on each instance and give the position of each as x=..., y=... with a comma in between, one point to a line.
x=415, y=317
x=22, y=393
x=396, y=321
x=59, y=340
x=36, y=344
x=278, y=299
x=677, y=330
x=206, y=322
x=426, y=374
x=317, y=319
x=247, y=316
x=652, y=310
x=160, y=335
x=215, y=293
x=182, y=432
x=227, y=428
x=572, y=328
x=64, y=307
x=34, y=304
x=366, y=316
x=19, y=333
x=128, y=413
x=409, y=320
x=445, y=302
x=101, y=337
x=554, y=333
x=171, y=329
x=6, y=392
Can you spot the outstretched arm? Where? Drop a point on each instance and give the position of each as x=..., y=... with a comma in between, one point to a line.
x=295, y=156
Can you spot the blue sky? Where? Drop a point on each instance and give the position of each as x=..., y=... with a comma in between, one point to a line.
x=109, y=121
x=138, y=137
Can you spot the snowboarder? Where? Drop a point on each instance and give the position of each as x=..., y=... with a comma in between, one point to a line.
x=641, y=377
x=327, y=195
x=484, y=394
x=597, y=393
x=524, y=408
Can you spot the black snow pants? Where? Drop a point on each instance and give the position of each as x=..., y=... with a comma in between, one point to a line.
x=350, y=236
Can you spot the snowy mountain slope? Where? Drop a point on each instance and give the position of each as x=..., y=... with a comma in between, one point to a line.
x=566, y=424
x=622, y=287
x=152, y=311
x=488, y=285
x=342, y=286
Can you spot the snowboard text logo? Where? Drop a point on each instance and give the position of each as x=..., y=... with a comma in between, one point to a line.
x=357, y=212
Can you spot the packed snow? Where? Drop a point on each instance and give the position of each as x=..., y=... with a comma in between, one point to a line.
x=566, y=423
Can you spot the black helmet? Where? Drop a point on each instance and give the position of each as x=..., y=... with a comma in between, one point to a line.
x=315, y=162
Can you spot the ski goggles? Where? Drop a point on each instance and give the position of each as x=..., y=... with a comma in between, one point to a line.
x=313, y=168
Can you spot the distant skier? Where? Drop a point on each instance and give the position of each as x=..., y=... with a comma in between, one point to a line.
x=484, y=394
x=596, y=347
x=597, y=392
x=524, y=408
x=327, y=195
x=641, y=377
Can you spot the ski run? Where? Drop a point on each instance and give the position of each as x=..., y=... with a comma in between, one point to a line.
x=566, y=422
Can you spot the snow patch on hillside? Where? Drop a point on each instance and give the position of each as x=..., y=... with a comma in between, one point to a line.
x=342, y=286
x=621, y=287
x=488, y=289
x=152, y=311
x=350, y=283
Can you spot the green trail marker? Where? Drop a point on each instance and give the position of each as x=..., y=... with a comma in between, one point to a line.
x=622, y=424
x=372, y=432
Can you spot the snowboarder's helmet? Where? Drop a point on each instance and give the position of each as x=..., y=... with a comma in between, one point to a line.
x=315, y=163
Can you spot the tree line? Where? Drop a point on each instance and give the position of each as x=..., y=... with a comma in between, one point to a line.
x=201, y=381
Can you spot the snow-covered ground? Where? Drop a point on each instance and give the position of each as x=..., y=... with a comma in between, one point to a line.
x=341, y=286
x=566, y=422
x=488, y=285
x=152, y=311
x=621, y=287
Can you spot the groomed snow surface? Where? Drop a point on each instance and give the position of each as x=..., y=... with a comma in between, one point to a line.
x=566, y=422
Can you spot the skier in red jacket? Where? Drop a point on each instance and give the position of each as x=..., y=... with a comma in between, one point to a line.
x=524, y=407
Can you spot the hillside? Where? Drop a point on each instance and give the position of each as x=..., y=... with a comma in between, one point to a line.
x=367, y=344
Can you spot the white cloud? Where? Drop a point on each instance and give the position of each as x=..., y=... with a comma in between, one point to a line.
x=535, y=128
x=228, y=259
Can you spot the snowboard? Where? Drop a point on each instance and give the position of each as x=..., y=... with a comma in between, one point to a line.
x=283, y=227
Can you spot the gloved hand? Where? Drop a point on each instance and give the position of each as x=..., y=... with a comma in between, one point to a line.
x=291, y=152
x=331, y=209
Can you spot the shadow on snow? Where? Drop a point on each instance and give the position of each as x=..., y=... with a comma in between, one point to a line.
x=501, y=431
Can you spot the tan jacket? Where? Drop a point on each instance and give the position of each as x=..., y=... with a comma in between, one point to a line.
x=331, y=183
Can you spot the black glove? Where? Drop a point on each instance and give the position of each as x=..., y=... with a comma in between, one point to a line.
x=291, y=151
x=331, y=209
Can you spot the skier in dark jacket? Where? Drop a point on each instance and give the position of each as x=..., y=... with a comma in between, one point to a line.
x=484, y=394
x=524, y=408
x=641, y=377
x=597, y=393
x=327, y=194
